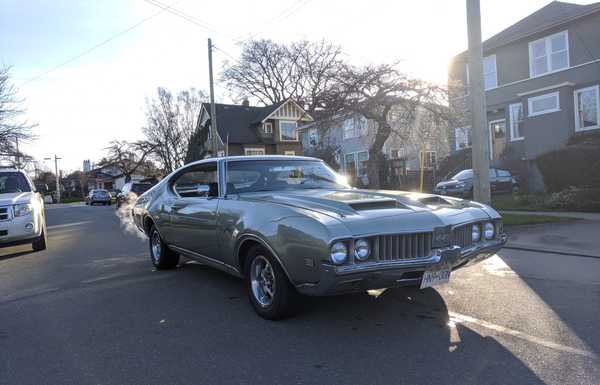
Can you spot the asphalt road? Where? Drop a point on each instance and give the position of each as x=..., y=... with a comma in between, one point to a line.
x=91, y=310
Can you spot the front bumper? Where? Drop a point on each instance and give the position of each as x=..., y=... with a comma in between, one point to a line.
x=16, y=230
x=379, y=275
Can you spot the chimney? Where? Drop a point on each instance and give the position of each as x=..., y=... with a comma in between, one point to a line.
x=246, y=102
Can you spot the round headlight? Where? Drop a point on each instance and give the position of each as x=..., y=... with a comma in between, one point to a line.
x=488, y=230
x=475, y=233
x=362, y=250
x=339, y=253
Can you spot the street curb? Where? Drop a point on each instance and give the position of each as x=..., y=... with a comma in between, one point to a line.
x=558, y=252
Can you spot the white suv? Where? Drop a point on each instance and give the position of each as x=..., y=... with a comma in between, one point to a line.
x=22, y=218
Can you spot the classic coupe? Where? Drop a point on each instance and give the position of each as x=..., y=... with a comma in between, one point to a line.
x=290, y=225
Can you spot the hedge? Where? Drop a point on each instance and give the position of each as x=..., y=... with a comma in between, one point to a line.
x=573, y=166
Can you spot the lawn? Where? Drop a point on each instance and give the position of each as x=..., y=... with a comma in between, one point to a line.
x=518, y=219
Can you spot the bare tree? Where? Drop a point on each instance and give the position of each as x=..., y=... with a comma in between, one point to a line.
x=171, y=123
x=271, y=72
x=12, y=127
x=128, y=157
x=389, y=98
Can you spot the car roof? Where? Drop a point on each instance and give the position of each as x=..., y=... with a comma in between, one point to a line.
x=239, y=158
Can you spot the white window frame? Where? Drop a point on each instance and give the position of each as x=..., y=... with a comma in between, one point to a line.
x=490, y=138
x=576, y=111
x=357, y=161
x=426, y=153
x=353, y=130
x=495, y=72
x=467, y=129
x=289, y=153
x=514, y=138
x=268, y=128
x=547, y=46
x=534, y=98
x=313, y=133
x=400, y=151
x=255, y=149
x=295, y=131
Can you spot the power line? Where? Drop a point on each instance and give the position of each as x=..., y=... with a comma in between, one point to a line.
x=102, y=43
x=287, y=12
x=190, y=18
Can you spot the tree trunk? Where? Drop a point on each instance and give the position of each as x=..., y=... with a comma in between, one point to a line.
x=375, y=154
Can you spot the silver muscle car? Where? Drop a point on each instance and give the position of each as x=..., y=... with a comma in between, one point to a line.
x=291, y=225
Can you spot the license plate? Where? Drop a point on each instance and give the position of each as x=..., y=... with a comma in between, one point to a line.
x=435, y=277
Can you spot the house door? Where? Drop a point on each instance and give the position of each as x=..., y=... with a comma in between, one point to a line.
x=497, y=138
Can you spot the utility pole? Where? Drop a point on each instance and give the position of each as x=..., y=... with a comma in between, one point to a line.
x=481, y=147
x=56, y=159
x=213, y=112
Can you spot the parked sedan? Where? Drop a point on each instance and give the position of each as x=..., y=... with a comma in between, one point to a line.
x=461, y=184
x=98, y=196
x=291, y=225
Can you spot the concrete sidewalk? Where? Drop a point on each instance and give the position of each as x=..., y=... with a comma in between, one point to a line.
x=563, y=214
x=580, y=238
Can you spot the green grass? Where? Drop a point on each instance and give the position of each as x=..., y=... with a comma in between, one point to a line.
x=512, y=202
x=518, y=219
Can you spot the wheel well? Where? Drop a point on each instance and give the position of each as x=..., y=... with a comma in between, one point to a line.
x=148, y=223
x=243, y=251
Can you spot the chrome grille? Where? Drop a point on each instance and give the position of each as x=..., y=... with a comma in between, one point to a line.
x=403, y=246
x=461, y=236
x=4, y=213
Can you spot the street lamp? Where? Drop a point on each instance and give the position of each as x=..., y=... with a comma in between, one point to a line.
x=56, y=158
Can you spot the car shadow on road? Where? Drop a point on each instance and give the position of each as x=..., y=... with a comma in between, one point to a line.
x=14, y=253
x=401, y=336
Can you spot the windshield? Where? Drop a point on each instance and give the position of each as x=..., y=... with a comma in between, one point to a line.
x=140, y=188
x=463, y=175
x=13, y=182
x=275, y=175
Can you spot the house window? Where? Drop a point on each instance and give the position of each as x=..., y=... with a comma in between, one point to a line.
x=220, y=153
x=430, y=159
x=490, y=77
x=350, y=129
x=313, y=137
x=462, y=137
x=288, y=131
x=549, y=54
x=254, y=151
x=361, y=166
x=516, y=121
x=268, y=128
x=350, y=164
x=544, y=104
x=587, y=108
x=289, y=153
x=396, y=153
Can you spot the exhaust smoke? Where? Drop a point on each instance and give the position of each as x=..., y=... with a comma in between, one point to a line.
x=124, y=215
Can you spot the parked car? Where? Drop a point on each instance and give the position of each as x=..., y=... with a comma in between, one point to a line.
x=98, y=196
x=461, y=184
x=290, y=225
x=131, y=191
x=22, y=217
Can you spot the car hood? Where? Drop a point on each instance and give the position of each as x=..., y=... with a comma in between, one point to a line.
x=368, y=211
x=14, y=198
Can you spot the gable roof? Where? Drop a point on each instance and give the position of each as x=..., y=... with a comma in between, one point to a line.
x=553, y=14
x=240, y=122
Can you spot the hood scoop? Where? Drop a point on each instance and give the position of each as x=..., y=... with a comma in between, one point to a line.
x=435, y=201
x=376, y=204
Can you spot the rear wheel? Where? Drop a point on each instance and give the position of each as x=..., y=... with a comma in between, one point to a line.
x=271, y=293
x=162, y=257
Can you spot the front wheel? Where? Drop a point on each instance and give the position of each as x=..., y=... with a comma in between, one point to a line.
x=271, y=293
x=40, y=243
x=162, y=257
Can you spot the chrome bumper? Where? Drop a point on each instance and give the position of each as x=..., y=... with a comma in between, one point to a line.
x=408, y=272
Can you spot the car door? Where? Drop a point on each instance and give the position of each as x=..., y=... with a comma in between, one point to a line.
x=193, y=209
x=493, y=181
x=504, y=181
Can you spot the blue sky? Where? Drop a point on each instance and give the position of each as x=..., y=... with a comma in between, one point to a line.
x=101, y=96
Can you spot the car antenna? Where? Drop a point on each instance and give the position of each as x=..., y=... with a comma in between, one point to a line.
x=225, y=171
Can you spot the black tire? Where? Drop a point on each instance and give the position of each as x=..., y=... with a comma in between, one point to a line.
x=283, y=302
x=515, y=189
x=161, y=256
x=40, y=243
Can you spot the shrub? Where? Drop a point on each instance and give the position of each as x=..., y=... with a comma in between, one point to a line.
x=575, y=199
x=576, y=165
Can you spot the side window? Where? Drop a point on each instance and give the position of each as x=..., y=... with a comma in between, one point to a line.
x=492, y=173
x=503, y=174
x=126, y=188
x=199, y=181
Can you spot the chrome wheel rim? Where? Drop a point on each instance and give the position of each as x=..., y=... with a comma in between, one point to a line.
x=156, y=247
x=262, y=280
